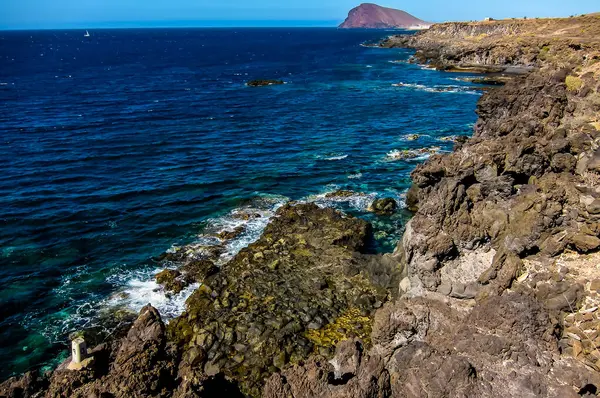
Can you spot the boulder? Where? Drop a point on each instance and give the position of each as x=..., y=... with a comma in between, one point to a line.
x=384, y=206
x=172, y=280
x=585, y=243
x=231, y=234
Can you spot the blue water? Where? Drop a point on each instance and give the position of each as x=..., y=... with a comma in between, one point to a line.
x=116, y=147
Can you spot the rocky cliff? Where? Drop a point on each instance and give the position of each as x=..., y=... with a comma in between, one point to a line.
x=500, y=294
x=376, y=17
x=493, y=290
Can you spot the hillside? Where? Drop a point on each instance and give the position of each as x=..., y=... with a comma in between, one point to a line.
x=375, y=17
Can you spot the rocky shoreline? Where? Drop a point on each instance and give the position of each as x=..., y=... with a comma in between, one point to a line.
x=493, y=291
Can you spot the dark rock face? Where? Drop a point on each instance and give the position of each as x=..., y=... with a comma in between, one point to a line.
x=513, y=189
x=304, y=286
x=376, y=17
x=142, y=364
x=505, y=347
x=24, y=387
x=384, y=206
x=506, y=202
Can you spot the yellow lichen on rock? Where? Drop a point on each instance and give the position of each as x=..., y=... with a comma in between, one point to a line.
x=351, y=324
x=573, y=83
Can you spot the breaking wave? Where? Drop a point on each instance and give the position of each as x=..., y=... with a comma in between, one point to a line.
x=438, y=88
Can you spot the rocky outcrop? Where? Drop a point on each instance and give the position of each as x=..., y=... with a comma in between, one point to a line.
x=263, y=82
x=26, y=386
x=305, y=285
x=520, y=186
x=384, y=206
x=497, y=299
x=515, y=45
x=505, y=347
x=372, y=16
x=142, y=364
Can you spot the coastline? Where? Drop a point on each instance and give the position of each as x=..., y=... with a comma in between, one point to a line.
x=493, y=269
x=294, y=150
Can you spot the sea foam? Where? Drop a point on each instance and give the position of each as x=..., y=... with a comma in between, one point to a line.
x=438, y=88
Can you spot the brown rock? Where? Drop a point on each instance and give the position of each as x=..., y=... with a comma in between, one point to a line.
x=585, y=243
x=171, y=280
x=229, y=235
x=385, y=206
x=594, y=163
x=374, y=16
x=577, y=348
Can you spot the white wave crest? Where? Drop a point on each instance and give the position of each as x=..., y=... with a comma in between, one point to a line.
x=140, y=288
x=411, y=154
x=356, y=200
x=438, y=88
x=338, y=157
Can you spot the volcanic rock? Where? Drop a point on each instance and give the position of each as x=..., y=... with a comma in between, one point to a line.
x=372, y=16
x=262, y=83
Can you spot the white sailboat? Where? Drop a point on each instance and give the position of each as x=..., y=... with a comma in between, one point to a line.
x=87, y=34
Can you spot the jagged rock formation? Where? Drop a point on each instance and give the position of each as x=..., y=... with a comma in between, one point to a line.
x=142, y=364
x=372, y=16
x=497, y=299
x=426, y=347
x=274, y=302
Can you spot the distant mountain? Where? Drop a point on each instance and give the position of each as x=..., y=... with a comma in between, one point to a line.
x=370, y=15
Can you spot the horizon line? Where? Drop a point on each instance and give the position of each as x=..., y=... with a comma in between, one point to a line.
x=279, y=23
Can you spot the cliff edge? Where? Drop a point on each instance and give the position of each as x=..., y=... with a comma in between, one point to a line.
x=501, y=283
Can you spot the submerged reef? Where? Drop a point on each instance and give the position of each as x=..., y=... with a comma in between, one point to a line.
x=263, y=82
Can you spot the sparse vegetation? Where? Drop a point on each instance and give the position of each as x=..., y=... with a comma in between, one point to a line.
x=573, y=83
x=480, y=37
x=543, y=55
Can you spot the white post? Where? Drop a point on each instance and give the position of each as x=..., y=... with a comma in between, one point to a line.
x=78, y=350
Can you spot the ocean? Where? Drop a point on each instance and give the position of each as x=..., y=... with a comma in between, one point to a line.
x=120, y=146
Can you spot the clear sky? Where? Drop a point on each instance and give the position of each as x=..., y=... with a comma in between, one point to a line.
x=29, y=14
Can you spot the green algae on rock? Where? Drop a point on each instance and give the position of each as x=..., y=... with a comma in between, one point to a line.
x=384, y=206
x=171, y=280
x=306, y=274
x=349, y=325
